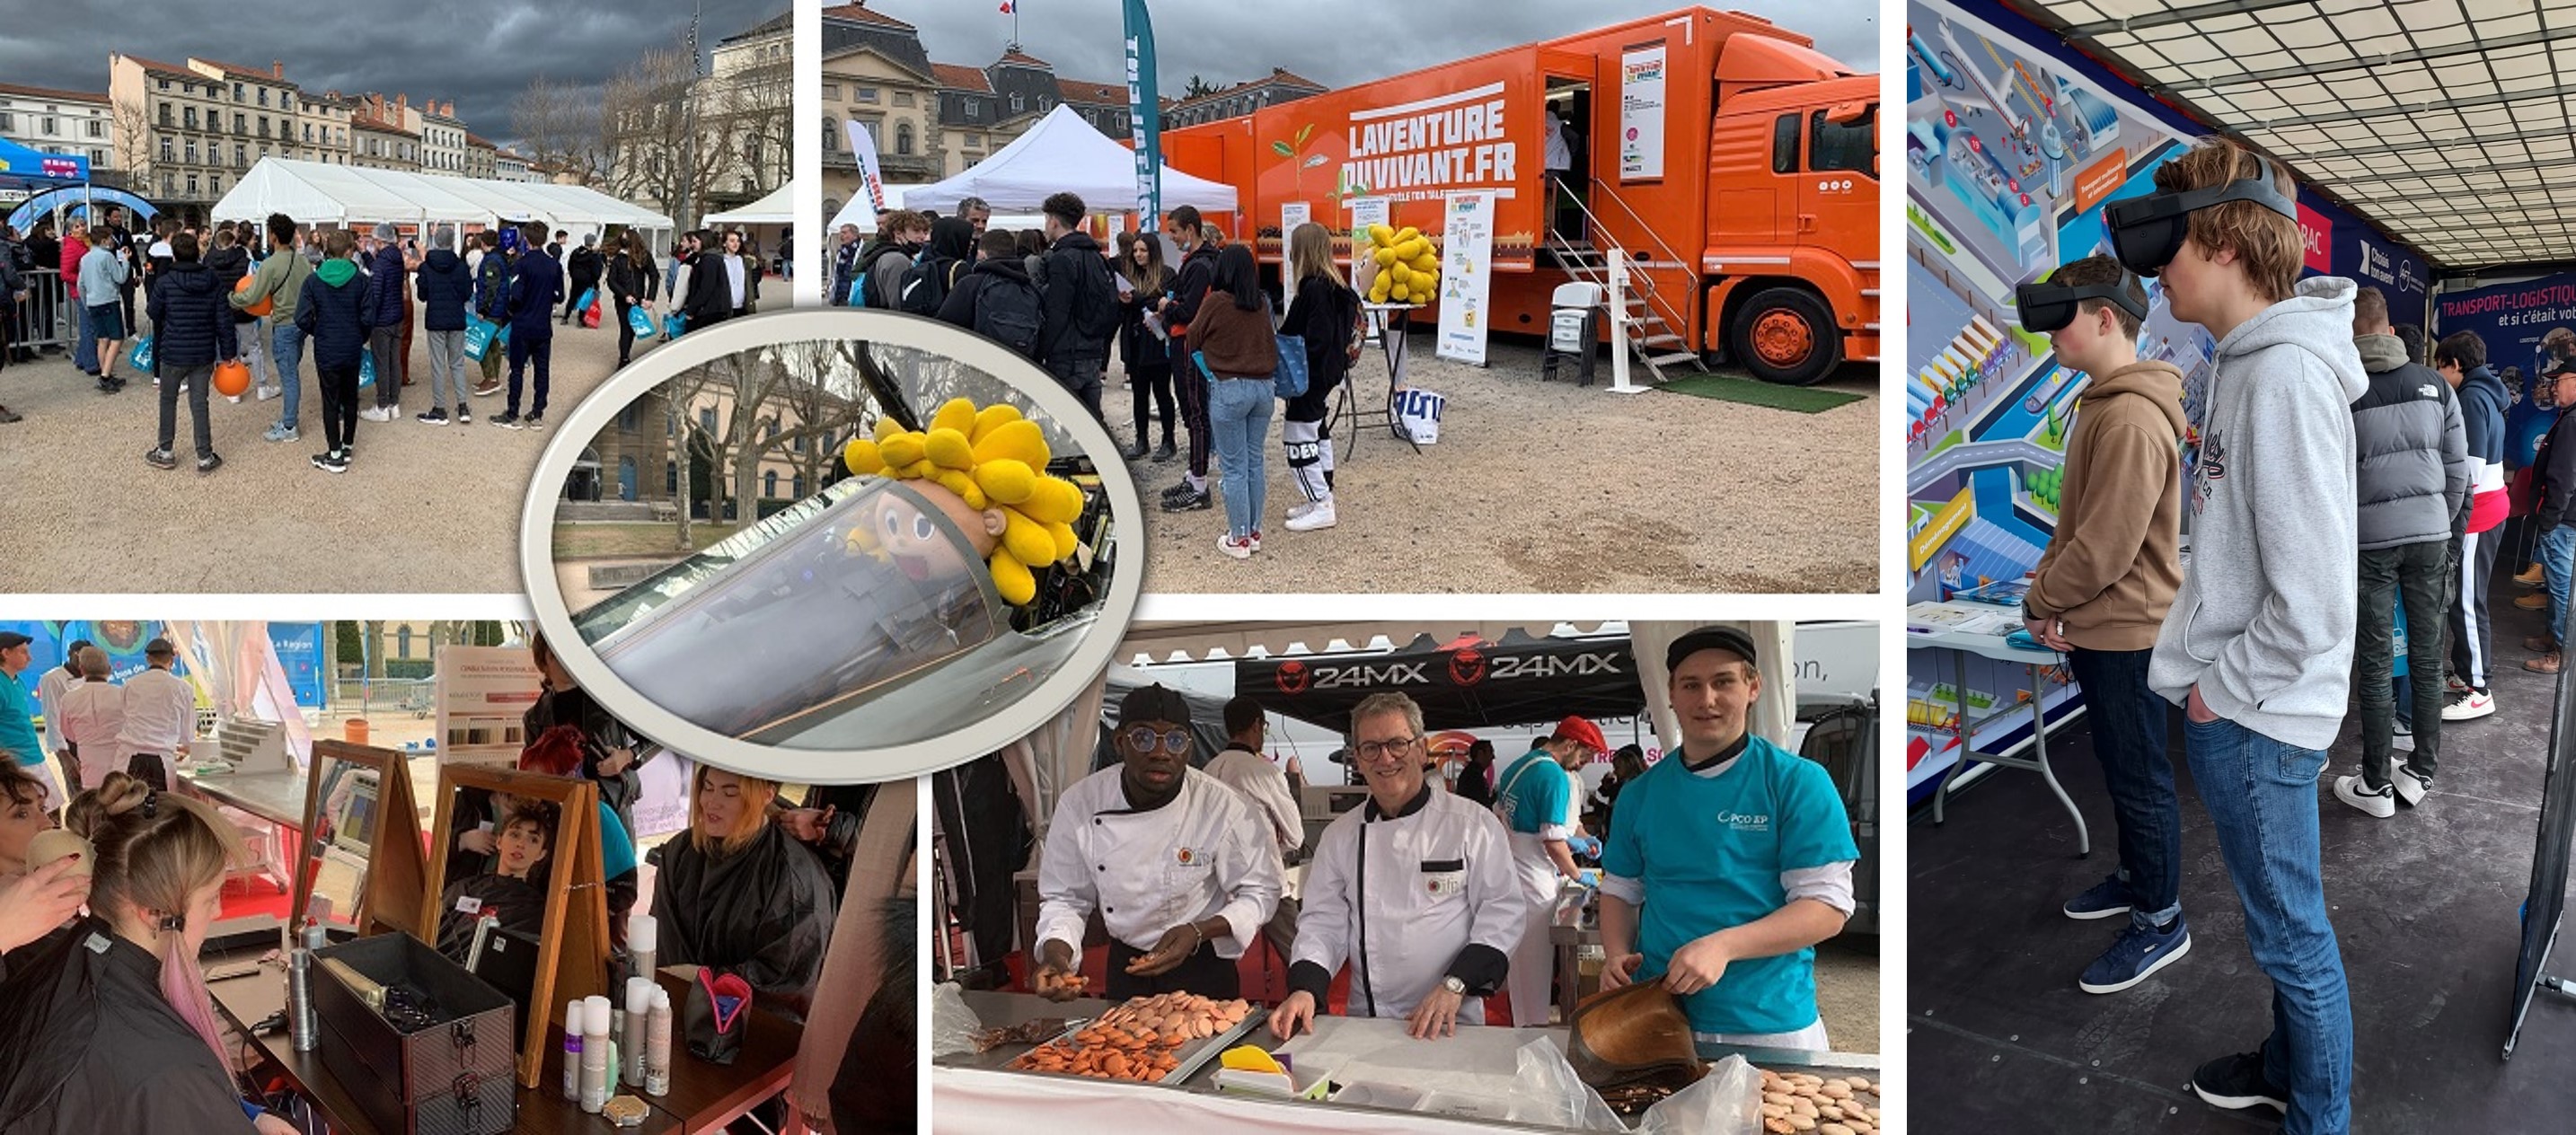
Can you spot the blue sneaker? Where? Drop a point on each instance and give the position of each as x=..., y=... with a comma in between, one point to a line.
x=2107, y=898
x=2138, y=952
x=281, y=432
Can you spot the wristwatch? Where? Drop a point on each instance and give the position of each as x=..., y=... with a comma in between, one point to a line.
x=1453, y=985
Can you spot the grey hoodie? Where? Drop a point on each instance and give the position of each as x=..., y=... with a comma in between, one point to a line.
x=2264, y=621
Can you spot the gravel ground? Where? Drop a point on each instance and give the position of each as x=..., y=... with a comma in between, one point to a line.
x=1528, y=492
x=422, y=509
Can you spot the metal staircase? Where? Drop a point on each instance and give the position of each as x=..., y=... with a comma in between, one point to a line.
x=1654, y=321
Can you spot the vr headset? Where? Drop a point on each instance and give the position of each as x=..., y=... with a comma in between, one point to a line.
x=2045, y=307
x=2147, y=232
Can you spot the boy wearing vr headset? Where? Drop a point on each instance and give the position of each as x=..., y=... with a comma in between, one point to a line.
x=2101, y=591
x=2258, y=646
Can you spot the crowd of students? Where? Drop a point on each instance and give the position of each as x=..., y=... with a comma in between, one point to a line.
x=1204, y=334
x=357, y=297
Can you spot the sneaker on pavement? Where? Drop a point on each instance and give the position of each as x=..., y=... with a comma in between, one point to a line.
x=2238, y=1082
x=281, y=432
x=1190, y=502
x=372, y=414
x=2469, y=706
x=2451, y=684
x=2137, y=954
x=1320, y=515
x=431, y=417
x=2536, y=601
x=1256, y=539
x=235, y=399
x=2380, y=802
x=1301, y=508
x=2412, y=786
x=209, y=463
x=1239, y=549
x=1165, y=452
x=267, y=392
x=486, y=389
x=1174, y=492
x=464, y=417
x=2106, y=898
x=536, y=421
x=506, y=420
x=332, y=461
x=9, y=416
x=160, y=459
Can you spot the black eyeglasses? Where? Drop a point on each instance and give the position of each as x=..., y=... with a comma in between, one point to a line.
x=1372, y=750
x=1145, y=737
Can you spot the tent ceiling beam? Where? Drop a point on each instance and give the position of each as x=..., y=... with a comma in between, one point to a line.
x=2384, y=149
x=2364, y=62
x=2172, y=16
x=2495, y=98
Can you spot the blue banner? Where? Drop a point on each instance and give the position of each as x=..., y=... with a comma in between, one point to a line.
x=2368, y=258
x=299, y=651
x=123, y=642
x=1144, y=117
x=2512, y=319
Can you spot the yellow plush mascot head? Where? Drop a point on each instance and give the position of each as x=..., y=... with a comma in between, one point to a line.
x=987, y=470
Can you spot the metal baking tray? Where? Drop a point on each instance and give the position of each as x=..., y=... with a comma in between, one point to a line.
x=1189, y=1057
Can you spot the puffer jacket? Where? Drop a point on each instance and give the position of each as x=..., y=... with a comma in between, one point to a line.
x=75, y=247
x=446, y=287
x=384, y=296
x=331, y=316
x=229, y=265
x=2409, y=448
x=191, y=323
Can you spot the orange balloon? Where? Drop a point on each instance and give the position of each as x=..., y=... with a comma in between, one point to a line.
x=232, y=378
x=263, y=307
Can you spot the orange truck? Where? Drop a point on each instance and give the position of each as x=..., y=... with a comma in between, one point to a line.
x=1758, y=248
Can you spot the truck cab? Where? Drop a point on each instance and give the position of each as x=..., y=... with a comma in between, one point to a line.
x=1790, y=266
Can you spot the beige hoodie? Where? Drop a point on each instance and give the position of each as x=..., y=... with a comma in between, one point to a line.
x=2111, y=573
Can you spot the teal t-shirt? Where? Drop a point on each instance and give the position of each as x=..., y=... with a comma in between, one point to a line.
x=1529, y=798
x=1709, y=852
x=17, y=723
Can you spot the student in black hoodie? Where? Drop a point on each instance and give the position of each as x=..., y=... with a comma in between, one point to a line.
x=230, y=261
x=709, y=295
x=1081, y=303
x=995, y=299
x=445, y=287
x=192, y=328
x=950, y=255
x=584, y=268
x=332, y=317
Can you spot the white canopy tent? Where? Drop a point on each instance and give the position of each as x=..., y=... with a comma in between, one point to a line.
x=1063, y=153
x=779, y=208
x=324, y=193
x=858, y=212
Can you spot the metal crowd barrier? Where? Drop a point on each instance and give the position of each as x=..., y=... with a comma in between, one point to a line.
x=46, y=318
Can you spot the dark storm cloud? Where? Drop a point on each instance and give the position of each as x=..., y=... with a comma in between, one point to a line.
x=477, y=53
x=1333, y=42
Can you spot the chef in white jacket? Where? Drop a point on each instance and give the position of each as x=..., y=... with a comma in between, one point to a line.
x=1414, y=890
x=1180, y=869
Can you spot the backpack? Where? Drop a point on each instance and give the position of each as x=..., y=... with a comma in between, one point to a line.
x=1359, y=329
x=1095, y=306
x=1007, y=312
x=868, y=296
x=492, y=286
x=925, y=284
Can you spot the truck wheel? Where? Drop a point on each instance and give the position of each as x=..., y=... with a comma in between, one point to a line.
x=1786, y=336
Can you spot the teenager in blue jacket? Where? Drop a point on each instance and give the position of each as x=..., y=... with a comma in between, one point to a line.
x=536, y=286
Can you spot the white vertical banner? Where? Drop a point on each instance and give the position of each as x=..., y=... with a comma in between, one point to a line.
x=865, y=148
x=483, y=696
x=805, y=163
x=1466, y=275
x=1365, y=211
x=1291, y=215
x=1641, y=113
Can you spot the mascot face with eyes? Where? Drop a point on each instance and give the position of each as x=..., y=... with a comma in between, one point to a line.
x=984, y=469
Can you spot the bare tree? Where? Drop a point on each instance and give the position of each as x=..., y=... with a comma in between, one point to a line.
x=563, y=128
x=644, y=112
x=134, y=156
x=820, y=407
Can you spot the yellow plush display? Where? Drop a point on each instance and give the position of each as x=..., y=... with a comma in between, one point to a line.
x=1408, y=269
x=991, y=461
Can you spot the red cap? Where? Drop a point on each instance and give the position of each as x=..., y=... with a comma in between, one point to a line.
x=1583, y=730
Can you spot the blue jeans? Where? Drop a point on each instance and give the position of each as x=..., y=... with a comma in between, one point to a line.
x=286, y=349
x=2557, y=558
x=84, y=344
x=1239, y=414
x=2129, y=740
x=2261, y=795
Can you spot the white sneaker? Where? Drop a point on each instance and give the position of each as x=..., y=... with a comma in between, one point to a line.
x=2350, y=790
x=1300, y=509
x=268, y=392
x=1239, y=549
x=2411, y=789
x=375, y=414
x=1318, y=516
x=2470, y=706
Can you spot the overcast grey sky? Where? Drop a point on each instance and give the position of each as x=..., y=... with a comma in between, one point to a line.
x=478, y=53
x=1334, y=42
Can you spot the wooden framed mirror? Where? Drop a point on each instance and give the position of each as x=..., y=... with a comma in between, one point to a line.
x=523, y=907
x=360, y=852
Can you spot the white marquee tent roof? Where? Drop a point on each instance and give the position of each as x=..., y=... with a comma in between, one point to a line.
x=1063, y=153
x=323, y=193
x=779, y=208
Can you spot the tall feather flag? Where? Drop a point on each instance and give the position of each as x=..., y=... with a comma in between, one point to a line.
x=865, y=148
x=1144, y=116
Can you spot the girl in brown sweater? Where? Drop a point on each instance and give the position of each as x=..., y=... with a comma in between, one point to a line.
x=1236, y=350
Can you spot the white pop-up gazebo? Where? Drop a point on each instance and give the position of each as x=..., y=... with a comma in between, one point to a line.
x=778, y=208
x=325, y=193
x=1063, y=153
